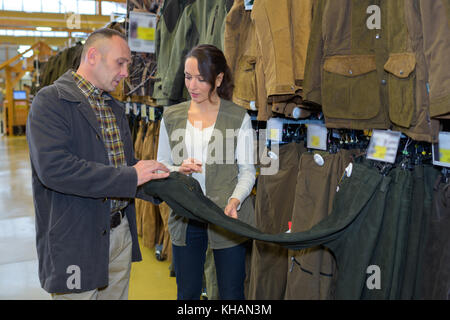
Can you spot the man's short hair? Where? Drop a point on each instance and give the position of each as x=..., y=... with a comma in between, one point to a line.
x=103, y=33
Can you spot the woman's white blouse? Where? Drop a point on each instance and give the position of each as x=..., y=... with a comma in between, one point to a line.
x=196, y=142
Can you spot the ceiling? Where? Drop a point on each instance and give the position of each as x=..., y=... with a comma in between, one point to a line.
x=69, y=23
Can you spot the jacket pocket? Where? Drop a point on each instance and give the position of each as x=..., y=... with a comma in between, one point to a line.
x=401, y=87
x=350, y=88
x=245, y=79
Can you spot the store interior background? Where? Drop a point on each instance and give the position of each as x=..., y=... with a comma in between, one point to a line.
x=23, y=23
x=31, y=30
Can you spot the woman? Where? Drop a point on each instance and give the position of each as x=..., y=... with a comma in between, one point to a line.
x=211, y=139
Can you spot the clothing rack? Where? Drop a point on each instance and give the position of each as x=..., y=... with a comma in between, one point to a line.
x=144, y=111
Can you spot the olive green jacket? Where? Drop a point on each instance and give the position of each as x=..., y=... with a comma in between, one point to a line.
x=198, y=22
x=367, y=66
x=166, y=29
x=221, y=175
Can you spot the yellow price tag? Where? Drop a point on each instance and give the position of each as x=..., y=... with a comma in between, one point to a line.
x=444, y=155
x=152, y=114
x=145, y=33
x=273, y=134
x=380, y=152
x=315, y=141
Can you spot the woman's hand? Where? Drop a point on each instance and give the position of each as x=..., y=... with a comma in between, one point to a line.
x=190, y=165
x=231, y=208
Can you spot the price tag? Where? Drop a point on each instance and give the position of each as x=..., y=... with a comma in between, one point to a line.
x=441, y=150
x=142, y=31
x=445, y=155
x=151, y=115
x=274, y=134
x=275, y=130
x=383, y=145
x=145, y=33
x=317, y=137
x=143, y=111
x=380, y=152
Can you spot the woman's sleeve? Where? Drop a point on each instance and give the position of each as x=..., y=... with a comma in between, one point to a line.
x=164, y=152
x=245, y=160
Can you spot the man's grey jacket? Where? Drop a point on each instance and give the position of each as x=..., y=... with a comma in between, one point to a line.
x=72, y=181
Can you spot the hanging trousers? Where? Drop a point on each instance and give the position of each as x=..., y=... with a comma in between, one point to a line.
x=311, y=271
x=273, y=209
x=435, y=270
x=353, y=230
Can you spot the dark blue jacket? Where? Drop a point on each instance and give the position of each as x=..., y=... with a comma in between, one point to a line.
x=72, y=181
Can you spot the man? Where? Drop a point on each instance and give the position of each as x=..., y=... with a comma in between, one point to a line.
x=85, y=176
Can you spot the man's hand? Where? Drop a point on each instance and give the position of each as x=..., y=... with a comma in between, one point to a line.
x=148, y=170
x=190, y=165
x=231, y=208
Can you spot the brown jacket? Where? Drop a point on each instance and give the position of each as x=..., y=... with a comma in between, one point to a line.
x=367, y=68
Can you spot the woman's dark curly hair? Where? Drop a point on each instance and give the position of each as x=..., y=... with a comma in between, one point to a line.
x=211, y=62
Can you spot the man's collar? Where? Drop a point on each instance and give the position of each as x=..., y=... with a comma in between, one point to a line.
x=88, y=89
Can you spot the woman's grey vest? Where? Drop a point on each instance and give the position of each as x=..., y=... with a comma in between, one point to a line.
x=221, y=169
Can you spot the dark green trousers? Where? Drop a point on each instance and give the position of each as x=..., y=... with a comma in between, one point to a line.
x=367, y=226
x=434, y=270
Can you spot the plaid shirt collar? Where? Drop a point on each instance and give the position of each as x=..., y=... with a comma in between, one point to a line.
x=88, y=89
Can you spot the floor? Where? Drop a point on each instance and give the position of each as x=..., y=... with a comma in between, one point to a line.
x=18, y=258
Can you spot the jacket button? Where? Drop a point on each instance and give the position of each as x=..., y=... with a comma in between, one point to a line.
x=104, y=233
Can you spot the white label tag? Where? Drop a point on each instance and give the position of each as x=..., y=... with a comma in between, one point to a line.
x=317, y=137
x=249, y=4
x=349, y=170
x=383, y=145
x=272, y=155
x=441, y=150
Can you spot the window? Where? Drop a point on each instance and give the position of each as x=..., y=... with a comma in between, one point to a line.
x=12, y=5
x=79, y=35
x=86, y=7
x=62, y=6
x=32, y=5
x=51, y=6
x=113, y=7
x=69, y=6
x=108, y=8
x=20, y=33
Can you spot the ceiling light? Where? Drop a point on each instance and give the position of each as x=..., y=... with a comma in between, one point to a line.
x=43, y=28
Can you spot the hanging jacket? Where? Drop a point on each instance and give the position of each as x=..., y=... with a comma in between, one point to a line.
x=366, y=67
x=201, y=22
x=240, y=50
x=164, y=39
x=435, y=16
